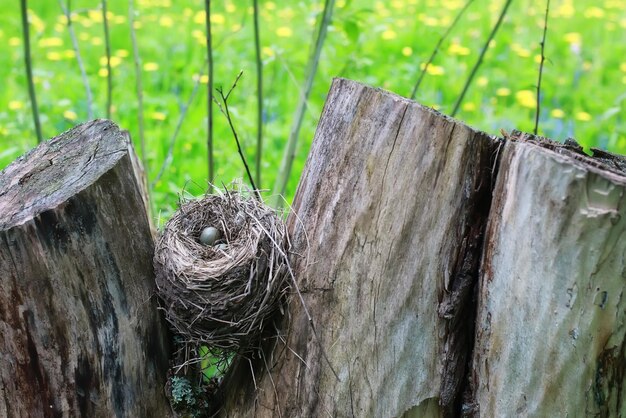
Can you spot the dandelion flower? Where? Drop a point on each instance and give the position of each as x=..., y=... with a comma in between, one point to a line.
x=583, y=116
x=407, y=51
x=15, y=105
x=150, y=66
x=70, y=115
x=54, y=56
x=389, y=35
x=503, y=92
x=284, y=32
x=49, y=42
x=158, y=116
x=482, y=81
x=526, y=98
x=557, y=113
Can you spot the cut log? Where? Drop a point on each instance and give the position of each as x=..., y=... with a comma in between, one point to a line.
x=550, y=328
x=388, y=216
x=80, y=334
x=431, y=295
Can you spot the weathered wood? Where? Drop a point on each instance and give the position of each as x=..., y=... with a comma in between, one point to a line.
x=79, y=330
x=388, y=219
x=550, y=328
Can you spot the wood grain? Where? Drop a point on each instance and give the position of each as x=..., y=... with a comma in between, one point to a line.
x=387, y=219
x=550, y=328
x=79, y=330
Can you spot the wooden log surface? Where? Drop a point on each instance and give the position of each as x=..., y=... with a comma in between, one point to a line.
x=388, y=219
x=79, y=330
x=551, y=319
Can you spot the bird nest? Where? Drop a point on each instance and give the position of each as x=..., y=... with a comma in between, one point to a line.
x=222, y=294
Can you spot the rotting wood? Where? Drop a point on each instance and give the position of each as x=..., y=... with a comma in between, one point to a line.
x=80, y=334
x=388, y=218
x=550, y=327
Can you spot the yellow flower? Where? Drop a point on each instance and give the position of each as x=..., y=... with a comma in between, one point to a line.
x=469, y=107
x=583, y=116
x=200, y=17
x=48, y=42
x=54, y=56
x=526, y=98
x=397, y=4
x=456, y=49
x=119, y=20
x=96, y=41
x=59, y=27
x=230, y=8
x=435, y=70
x=503, y=92
x=537, y=58
x=84, y=36
x=15, y=105
x=236, y=27
x=482, y=81
x=566, y=10
x=69, y=53
x=36, y=21
x=150, y=66
x=407, y=51
x=103, y=72
x=557, y=113
x=284, y=32
x=137, y=24
x=122, y=53
x=389, y=35
x=115, y=61
x=187, y=146
x=166, y=21
x=572, y=38
x=270, y=5
x=267, y=51
x=594, y=12
x=70, y=115
x=95, y=15
x=15, y=41
x=217, y=18
x=158, y=116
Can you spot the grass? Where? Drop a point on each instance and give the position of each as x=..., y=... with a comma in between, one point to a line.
x=379, y=43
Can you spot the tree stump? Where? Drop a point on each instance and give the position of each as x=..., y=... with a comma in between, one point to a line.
x=446, y=273
x=80, y=334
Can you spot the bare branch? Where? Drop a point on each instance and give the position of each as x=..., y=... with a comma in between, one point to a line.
x=543, y=58
x=67, y=11
x=436, y=50
x=259, y=94
x=480, y=58
x=209, y=46
x=29, y=70
x=107, y=44
x=226, y=113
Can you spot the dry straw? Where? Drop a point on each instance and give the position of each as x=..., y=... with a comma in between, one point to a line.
x=222, y=296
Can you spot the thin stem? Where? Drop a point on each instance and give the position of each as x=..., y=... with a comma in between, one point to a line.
x=543, y=58
x=183, y=112
x=209, y=46
x=259, y=95
x=139, y=92
x=29, y=70
x=67, y=11
x=226, y=113
x=480, y=58
x=290, y=150
x=107, y=45
x=436, y=50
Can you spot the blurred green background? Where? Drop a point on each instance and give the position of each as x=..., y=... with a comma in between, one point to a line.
x=383, y=44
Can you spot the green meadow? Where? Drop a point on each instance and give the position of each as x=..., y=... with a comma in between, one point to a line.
x=384, y=44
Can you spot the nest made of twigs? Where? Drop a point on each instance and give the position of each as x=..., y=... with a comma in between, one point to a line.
x=222, y=295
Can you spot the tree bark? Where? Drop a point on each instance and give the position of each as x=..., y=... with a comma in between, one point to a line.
x=80, y=334
x=550, y=335
x=446, y=274
x=388, y=216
